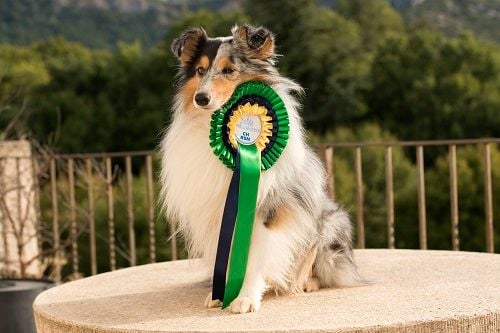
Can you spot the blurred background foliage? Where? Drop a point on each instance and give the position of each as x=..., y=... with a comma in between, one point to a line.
x=91, y=76
x=359, y=61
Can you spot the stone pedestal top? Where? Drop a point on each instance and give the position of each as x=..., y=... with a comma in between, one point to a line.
x=414, y=291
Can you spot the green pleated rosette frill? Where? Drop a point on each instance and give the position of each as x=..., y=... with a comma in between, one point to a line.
x=253, y=93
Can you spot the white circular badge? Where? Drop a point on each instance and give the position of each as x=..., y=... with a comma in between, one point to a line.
x=248, y=129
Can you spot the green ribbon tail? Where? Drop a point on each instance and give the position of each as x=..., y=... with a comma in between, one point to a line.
x=247, y=202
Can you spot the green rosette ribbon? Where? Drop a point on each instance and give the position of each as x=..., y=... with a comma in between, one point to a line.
x=248, y=134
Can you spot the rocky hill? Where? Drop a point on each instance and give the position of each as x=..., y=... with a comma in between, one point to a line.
x=95, y=23
x=454, y=16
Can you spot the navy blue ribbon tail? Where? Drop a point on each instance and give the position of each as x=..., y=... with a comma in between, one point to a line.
x=226, y=235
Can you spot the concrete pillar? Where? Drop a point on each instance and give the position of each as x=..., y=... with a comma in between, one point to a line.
x=18, y=216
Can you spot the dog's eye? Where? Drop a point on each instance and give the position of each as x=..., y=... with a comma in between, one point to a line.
x=227, y=70
x=201, y=71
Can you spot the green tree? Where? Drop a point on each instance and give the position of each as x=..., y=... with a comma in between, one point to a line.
x=216, y=24
x=70, y=112
x=376, y=18
x=425, y=86
x=98, y=101
x=20, y=75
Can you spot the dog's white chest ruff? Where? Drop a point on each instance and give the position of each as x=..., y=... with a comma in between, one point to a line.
x=196, y=183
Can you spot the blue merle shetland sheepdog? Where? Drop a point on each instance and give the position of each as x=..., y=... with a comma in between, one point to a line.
x=301, y=239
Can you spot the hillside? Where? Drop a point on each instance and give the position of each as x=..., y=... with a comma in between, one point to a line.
x=102, y=23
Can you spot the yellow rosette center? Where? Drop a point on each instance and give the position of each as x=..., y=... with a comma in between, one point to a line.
x=250, y=124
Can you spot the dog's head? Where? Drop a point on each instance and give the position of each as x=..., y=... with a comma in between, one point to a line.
x=211, y=68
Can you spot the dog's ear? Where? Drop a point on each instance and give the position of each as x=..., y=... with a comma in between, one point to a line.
x=259, y=41
x=185, y=46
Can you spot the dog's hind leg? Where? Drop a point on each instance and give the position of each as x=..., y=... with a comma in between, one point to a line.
x=305, y=280
x=334, y=265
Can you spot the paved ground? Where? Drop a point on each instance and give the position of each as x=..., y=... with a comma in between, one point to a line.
x=417, y=291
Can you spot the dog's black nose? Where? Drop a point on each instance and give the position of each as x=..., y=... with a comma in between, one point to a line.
x=202, y=99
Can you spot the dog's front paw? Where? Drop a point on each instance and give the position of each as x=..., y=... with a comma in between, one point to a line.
x=209, y=303
x=244, y=305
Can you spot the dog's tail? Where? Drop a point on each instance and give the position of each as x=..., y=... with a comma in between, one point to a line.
x=334, y=265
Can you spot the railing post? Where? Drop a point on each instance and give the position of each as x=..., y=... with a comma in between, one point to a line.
x=111, y=214
x=150, y=208
x=91, y=217
x=488, y=199
x=422, y=222
x=130, y=211
x=330, y=180
x=72, y=217
x=55, y=221
x=454, y=198
x=359, y=199
x=389, y=198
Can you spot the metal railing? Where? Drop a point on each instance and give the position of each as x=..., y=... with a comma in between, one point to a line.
x=70, y=215
x=326, y=152
x=110, y=168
